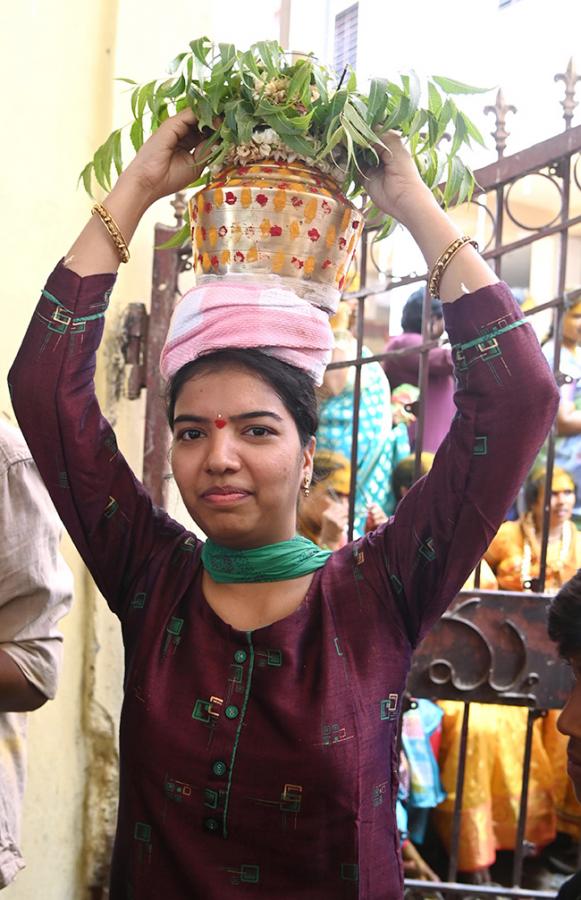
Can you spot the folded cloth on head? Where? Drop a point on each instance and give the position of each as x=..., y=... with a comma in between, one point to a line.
x=247, y=316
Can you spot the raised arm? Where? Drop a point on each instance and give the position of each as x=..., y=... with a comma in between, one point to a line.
x=397, y=189
x=106, y=510
x=506, y=399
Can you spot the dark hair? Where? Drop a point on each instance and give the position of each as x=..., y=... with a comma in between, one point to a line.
x=564, y=624
x=294, y=387
x=403, y=474
x=535, y=484
x=411, y=317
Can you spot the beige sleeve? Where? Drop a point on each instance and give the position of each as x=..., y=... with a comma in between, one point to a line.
x=35, y=582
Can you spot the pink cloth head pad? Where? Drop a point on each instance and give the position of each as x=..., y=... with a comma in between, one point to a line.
x=271, y=319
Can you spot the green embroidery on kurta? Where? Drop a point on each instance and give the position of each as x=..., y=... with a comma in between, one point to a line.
x=334, y=734
x=175, y=625
x=111, y=443
x=480, y=445
x=202, y=711
x=388, y=708
x=138, y=601
x=207, y=711
x=59, y=321
x=426, y=549
x=53, y=299
x=173, y=634
x=241, y=718
x=142, y=832
x=246, y=874
x=271, y=658
x=176, y=790
x=211, y=798
x=396, y=583
x=349, y=872
x=291, y=798
x=111, y=508
x=489, y=337
x=379, y=793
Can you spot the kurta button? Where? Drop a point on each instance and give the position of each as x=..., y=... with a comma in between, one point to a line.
x=211, y=824
x=231, y=712
x=219, y=767
x=240, y=656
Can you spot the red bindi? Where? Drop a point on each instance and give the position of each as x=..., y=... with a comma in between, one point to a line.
x=220, y=422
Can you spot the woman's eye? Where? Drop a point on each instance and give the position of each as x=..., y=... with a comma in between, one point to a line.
x=189, y=434
x=259, y=431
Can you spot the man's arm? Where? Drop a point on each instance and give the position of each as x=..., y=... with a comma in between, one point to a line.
x=35, y=583
x=17, y=694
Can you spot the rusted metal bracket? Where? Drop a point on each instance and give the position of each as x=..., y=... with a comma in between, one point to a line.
x=135, y=331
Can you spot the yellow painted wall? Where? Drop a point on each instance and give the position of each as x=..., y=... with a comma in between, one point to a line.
x=54, y=57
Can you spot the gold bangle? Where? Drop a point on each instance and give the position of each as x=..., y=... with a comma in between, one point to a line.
x=444, y=260
x=113, y=230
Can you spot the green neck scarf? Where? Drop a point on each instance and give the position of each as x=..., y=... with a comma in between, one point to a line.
x=275, y=562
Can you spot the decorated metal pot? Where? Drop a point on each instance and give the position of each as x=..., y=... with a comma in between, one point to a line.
x=283, y=219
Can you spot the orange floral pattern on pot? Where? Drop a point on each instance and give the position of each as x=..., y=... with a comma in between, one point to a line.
x=271, y=218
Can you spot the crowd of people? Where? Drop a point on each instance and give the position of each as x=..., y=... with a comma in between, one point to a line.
x=266, y=671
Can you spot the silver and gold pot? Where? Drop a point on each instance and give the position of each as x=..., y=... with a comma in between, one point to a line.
x=283, y=219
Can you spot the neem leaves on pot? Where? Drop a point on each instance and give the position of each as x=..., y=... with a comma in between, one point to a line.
x=275, y=106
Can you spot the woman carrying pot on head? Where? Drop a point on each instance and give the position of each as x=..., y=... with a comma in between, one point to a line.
x=264, y=676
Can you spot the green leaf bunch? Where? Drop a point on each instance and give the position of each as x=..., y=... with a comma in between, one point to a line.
x=322, y=119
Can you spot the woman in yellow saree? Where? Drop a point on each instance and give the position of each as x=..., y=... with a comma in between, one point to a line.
x=494, y=761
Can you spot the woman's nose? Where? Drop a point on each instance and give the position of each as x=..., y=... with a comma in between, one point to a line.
x=221, y=454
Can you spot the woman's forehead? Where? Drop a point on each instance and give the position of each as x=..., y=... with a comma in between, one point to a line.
x=234, y=388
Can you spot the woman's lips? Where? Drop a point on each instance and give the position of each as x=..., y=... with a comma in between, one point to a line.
x=225, y=496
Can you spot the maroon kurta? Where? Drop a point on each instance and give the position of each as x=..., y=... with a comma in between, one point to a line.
x=262, y=764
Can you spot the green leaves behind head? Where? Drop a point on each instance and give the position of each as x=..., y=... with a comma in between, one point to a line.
x=450, y=86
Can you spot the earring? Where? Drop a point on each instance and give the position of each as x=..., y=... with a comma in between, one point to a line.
x=306, y=485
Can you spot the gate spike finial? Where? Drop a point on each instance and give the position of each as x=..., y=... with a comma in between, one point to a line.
x=570, y=77
x=500, y=110
x=180, y=205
